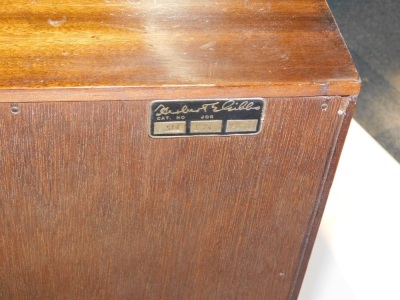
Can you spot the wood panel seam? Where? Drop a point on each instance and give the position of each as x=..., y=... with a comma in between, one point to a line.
x=318, y=202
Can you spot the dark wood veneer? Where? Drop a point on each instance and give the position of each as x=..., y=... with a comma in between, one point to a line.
x=91, y=207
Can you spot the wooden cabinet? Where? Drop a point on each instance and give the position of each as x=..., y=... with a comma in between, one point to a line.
x=167, y=149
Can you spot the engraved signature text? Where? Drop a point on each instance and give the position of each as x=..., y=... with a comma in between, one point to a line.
x=230, y=105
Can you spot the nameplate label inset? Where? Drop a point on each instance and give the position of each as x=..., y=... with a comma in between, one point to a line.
x=186, y=118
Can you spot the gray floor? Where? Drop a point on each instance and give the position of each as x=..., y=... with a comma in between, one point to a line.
x=371, y=29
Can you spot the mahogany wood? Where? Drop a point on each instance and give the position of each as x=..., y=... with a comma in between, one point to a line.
x=135, y=50
x=91, y=207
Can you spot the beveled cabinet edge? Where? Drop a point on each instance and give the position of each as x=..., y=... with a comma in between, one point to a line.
x=111, y=93
x=323, y=193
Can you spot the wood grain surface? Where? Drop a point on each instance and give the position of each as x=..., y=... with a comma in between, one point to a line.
x=93, y=208
x=136, y=50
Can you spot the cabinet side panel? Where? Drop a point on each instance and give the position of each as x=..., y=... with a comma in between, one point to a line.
x=93, y=208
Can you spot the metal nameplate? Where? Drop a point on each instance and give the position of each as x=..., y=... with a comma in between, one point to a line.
x=217, y=117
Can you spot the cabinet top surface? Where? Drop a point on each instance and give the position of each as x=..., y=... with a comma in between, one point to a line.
x=282, y=47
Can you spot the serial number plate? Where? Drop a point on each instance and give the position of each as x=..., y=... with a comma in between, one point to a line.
x=185, y=118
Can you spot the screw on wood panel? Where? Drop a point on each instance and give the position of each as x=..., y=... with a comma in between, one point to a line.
x=281, y=274
x=15, y=109
x=324, y=106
